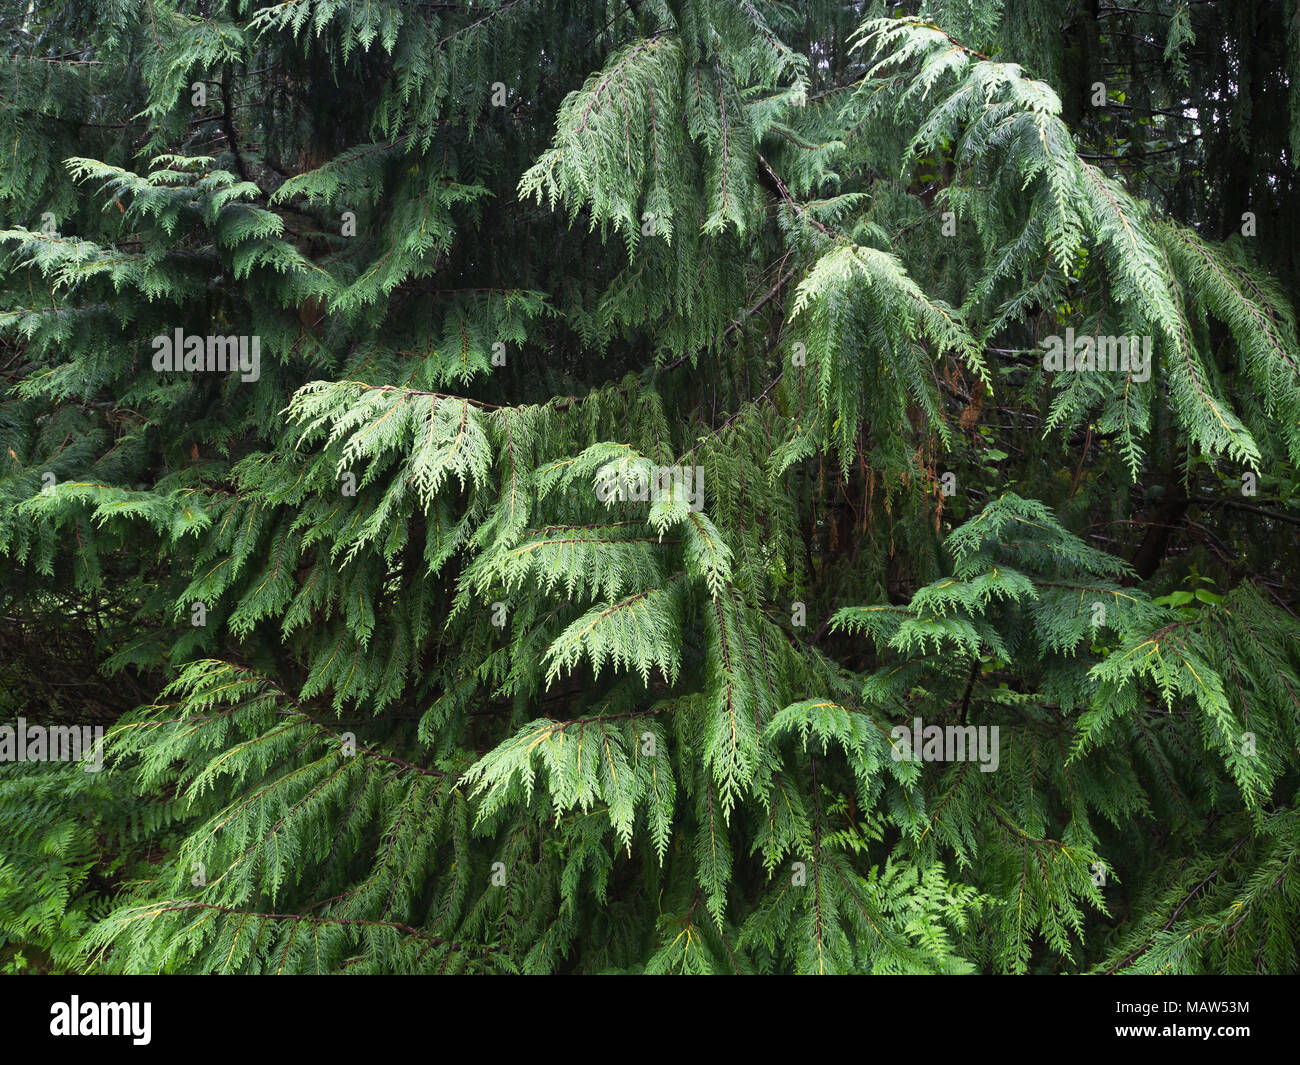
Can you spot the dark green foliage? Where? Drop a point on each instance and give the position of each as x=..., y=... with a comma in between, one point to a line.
x=406, y=668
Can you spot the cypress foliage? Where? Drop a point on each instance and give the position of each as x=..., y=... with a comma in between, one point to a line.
x=517, y=479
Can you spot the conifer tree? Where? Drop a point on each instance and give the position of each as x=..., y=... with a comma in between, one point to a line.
x=518, y=480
